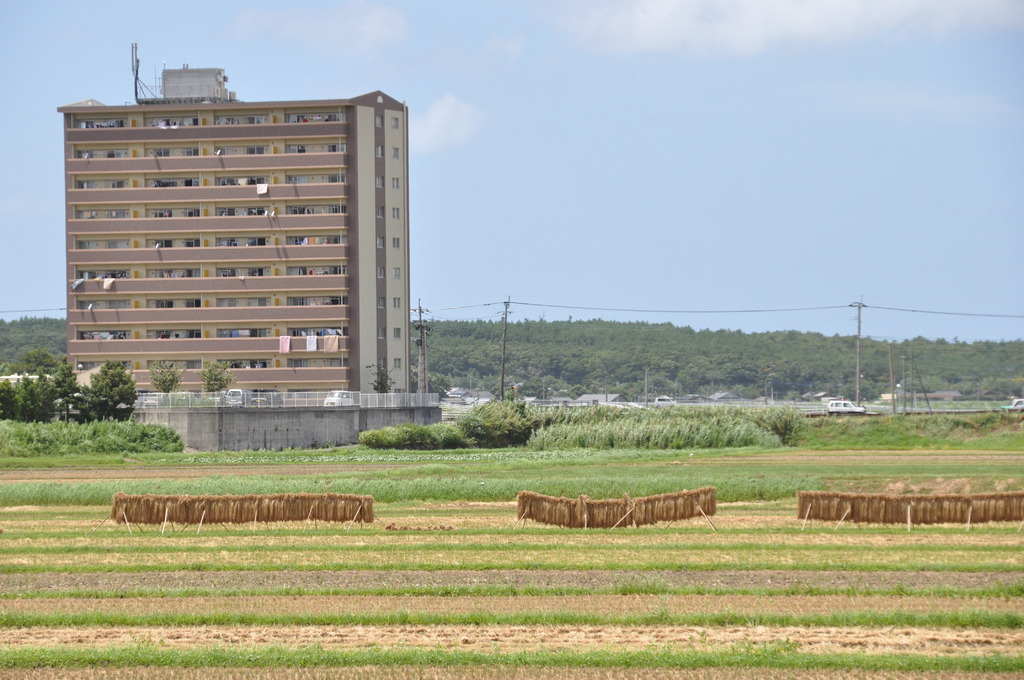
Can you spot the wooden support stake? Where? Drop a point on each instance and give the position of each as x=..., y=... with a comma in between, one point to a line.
x=167, y=509
x=708, y=519
x=1021, y=526
x=970, y=508
x=806, y=515
x=126, y=522
x=201, y=522
x=99, y=525
x=624, y=517
x=356, y=516
x=842, y=520
x=254, y=516
x=521, y=520
x=908, y=518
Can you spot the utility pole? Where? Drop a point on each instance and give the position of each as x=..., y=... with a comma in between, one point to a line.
x=903, y=359
x=421, y=341
x=504, y=336
x=859, y=306
x=892, y=384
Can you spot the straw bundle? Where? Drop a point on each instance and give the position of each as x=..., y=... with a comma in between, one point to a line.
x=563, y=512
x=669, y=507
x=328, y=507
x=924, y=509
x=585, y=512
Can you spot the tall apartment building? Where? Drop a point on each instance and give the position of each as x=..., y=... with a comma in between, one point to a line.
x=270, y=235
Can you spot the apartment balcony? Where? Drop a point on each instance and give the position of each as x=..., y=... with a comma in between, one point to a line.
x=208, y=315
x=190, y=133
x=178, y=348
x=185, y=225
x=215, y=284
x=205, y=194
x=209, y=163
x=279, y=255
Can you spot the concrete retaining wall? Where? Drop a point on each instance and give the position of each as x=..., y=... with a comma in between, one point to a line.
x=239, y=429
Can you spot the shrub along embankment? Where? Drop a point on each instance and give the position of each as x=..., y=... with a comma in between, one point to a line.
x=27, y=440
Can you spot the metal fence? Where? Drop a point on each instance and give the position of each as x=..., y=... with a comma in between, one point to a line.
x=272, y=399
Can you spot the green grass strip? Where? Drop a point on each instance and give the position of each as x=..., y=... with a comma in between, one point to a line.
x=641, y=586
x=768, y=655
x=661, y=617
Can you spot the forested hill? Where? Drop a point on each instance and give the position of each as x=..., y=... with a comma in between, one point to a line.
x=18, y=337
x=598, y=356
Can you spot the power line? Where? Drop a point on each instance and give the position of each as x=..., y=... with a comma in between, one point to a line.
x=20, y=311
x=681, y=311
x=928, y=311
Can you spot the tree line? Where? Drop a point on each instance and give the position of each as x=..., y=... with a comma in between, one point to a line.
x=543, y=358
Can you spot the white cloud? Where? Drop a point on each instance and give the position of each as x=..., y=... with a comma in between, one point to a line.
x=752, y=26
x=448, y=122
x=353, y=27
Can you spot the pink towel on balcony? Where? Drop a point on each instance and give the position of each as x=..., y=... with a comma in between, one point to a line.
x=332, y=343
x=284, y=344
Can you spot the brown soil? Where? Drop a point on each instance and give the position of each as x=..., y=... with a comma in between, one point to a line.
x=925, y=641
x=598, y=605
x=518, y=578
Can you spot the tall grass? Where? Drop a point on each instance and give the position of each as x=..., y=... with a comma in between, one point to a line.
x=677, y=428
x=991, y=431
x=23, y=440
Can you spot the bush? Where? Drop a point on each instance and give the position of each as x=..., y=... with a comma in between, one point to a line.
x=499, y=424
x=103, y=437
x=412, y=436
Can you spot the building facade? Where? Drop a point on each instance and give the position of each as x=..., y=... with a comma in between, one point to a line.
x=270, y=235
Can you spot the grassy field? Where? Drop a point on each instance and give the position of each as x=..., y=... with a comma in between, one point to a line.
x=445, y=585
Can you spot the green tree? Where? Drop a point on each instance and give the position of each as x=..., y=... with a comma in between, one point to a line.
x=8, y=402
x=111, y=395
x=38, y=362
x=165, y=376
x=216, y=376
x=66, y=390
x=382, y=380
x=35, y=400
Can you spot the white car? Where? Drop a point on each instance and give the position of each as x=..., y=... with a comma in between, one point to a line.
x=1015, y=405
x=340, y=398
x=844, y=406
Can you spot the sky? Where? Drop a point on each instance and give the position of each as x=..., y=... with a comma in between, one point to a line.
x=743, y=164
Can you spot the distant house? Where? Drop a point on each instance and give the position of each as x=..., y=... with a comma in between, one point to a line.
x=946, y=395
x=477, y=396
x=819, y=396
x=724, y=396
x=602, y=398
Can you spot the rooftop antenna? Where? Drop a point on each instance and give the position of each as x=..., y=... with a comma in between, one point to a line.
x=135, y=73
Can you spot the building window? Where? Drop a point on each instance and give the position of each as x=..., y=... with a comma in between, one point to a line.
x=396, y=333
x=380, y=212
x=379, y=151
x=394, y=122
x=396, y=242
x=378, y=121
x=380, y=272
x=395, y=213
x=380, y=241
x=381, y=303
x=394, y=182
x=380, y=181
x=255, y=150
x=382, y=333
x=398, y=364
x=396, y=303
x=396, y=272
x=394, y=153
